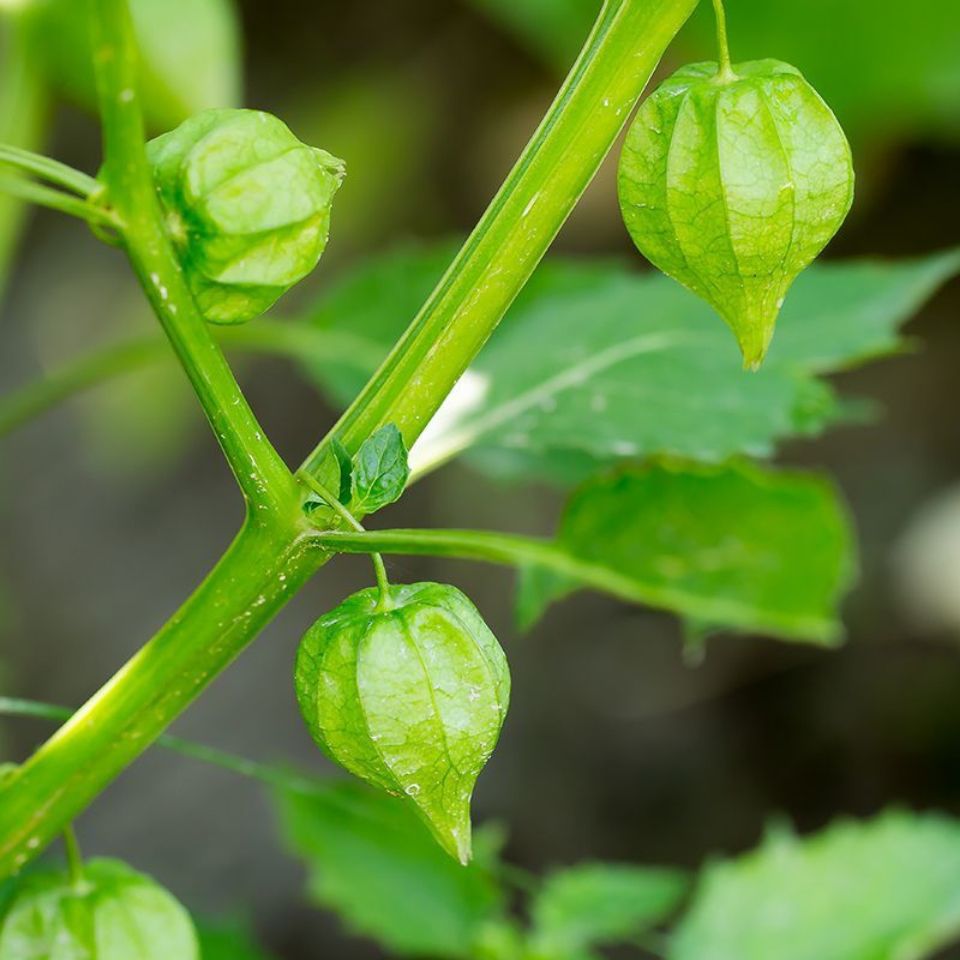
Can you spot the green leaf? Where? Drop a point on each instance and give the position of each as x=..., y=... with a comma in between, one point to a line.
x=635, y=366
x=601, y=903
x=335, y=471
x=380, y=471
x=887, y=889
x=190, y=54
x=116, y=914
x=227, y=940
x=374, y=303
x=371, y=859
x=733, y=546
x=594, y=364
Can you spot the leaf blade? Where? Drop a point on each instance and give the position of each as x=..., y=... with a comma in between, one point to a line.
x=734, y=546
x=373, y=861
x=842, y=894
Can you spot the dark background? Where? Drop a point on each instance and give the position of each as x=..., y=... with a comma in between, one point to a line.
x=114, y=507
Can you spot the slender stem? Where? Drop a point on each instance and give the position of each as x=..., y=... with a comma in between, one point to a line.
x=723, y=47
x=282, y=339
x=74, y=859
x=332, y=501
x=49, y=169
x=507, y=549
x=261, y=473
x=57, y=200
x=518, y=551
x=498, y=258
x=272, y=559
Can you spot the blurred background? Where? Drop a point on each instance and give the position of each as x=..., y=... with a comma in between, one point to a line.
x=113, y=507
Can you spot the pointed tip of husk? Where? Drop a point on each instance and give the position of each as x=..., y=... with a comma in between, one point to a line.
x=454, y=834
x=754, y=340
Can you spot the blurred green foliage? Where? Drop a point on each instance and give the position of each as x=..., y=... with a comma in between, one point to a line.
x=374, y=861
x=888, y=889
x=880, y=889
x=889, y=70
x=227, y=940
x=190, y=54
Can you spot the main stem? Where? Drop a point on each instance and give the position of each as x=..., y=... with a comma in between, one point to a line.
x=273, y=557
x=517, y=229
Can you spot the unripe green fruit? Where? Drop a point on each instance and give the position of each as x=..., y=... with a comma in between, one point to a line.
x=247, y=206
x=732, y=183
x=410, y=697
x=112, y=913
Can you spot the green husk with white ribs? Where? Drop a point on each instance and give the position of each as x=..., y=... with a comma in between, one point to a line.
x=408, y=690
x=247, y=206
x=732, y=180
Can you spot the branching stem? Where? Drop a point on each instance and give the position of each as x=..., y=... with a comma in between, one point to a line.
x=44, y=196
x=46, y=168
x=333, y=502
x=274, y=554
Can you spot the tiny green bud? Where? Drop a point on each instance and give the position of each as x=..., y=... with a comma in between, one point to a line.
x=732, y=181
x=247, y=206
x=409, y=692
x=112, y=913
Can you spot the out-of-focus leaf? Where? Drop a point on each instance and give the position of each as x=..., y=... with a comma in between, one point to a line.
x=141, y=425
x=888, y=889
x=553, y=29
x=364, y=116
x=190, y=54
x=373, y=861
x=636, y=366
x=601, y=903
x=594, y=364
x=227, y=941
x=375, y=303
x=884, y=73
x=734, y=546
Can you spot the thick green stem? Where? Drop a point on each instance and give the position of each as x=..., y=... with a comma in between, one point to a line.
x=261, y=473
x=565, y=153
x=273, y=556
